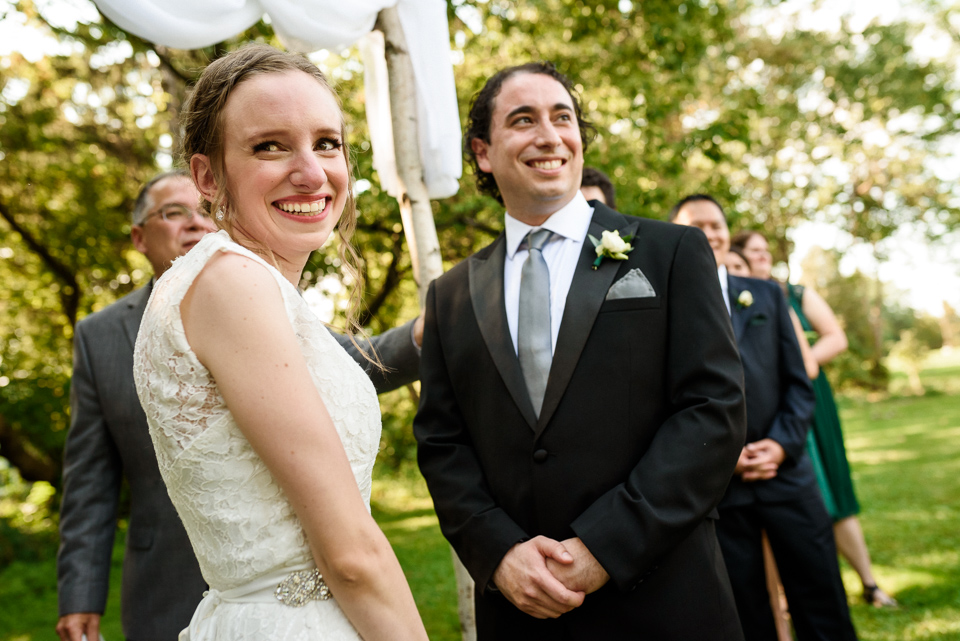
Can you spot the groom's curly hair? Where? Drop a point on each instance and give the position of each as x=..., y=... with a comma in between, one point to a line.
x=481, y=114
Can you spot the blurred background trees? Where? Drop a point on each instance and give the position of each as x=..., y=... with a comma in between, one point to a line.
x=783, y=121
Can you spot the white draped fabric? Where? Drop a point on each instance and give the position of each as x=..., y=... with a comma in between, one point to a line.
x=309, y=25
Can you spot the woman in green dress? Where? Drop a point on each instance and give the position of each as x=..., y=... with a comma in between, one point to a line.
x=825, y=438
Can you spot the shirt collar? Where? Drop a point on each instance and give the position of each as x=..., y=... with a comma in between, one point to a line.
x=572, y=221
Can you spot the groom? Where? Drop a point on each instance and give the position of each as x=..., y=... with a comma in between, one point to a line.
x=578, y=425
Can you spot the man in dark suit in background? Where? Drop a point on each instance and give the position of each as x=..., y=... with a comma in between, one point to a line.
x=581, y=413
x=774, y=488
x=596, y=185
x=108, y=440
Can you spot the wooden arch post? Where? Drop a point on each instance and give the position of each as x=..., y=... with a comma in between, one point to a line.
x=417, y=216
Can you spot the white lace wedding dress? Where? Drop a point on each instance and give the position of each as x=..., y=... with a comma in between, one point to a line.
x=244, y=532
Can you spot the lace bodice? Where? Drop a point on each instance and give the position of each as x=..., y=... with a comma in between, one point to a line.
x=239, y=521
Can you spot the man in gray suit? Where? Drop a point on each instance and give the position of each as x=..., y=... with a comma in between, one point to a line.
x=109, y=440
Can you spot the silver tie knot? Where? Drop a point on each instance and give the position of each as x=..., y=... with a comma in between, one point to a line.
x=535, y=240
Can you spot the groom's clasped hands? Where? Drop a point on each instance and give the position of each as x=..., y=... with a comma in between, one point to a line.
x=546, y=578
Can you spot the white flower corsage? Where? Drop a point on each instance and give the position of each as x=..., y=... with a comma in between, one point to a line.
x=611, y=246
x=745, y=299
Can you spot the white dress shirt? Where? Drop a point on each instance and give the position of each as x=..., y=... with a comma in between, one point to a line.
x=562, y=253
x=724, y=286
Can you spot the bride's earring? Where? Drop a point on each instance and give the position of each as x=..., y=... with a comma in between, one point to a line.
x=220, y=214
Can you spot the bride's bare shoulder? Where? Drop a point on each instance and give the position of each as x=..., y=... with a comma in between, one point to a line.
x=232, y=278
x=232, y=296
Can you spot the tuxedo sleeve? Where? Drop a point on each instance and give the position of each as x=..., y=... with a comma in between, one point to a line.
x=790, y=425
x=684, y=472
x=92, y=473
x=479, y=530
x=397, y=353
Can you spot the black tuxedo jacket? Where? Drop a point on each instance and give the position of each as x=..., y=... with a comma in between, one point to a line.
x=779, y=394
x=641, y=427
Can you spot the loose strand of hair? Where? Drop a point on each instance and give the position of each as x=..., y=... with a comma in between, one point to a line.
x=350, y=262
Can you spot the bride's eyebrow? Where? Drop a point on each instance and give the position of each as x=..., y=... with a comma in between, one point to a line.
x=276, y=132
x=326, y=132
x=259, y=134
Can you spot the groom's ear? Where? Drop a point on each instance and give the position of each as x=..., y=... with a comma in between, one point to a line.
x=480, y=147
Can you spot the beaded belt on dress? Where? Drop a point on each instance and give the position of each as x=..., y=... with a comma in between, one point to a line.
x=301, y=586
x=293, y=586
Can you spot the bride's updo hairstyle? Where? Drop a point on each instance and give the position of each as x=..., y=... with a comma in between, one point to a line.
x=203, y=133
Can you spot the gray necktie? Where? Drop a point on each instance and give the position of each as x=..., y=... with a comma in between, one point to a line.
x=533, y=320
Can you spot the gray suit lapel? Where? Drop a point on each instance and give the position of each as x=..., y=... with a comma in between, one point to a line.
x=136, y=305
x=587, y=293
x=486, y=293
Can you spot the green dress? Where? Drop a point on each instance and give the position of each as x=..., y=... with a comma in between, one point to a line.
x=825, y=438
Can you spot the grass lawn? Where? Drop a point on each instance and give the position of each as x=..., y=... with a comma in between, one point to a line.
x=28, y=592
x=905, y=453
x=404, y=510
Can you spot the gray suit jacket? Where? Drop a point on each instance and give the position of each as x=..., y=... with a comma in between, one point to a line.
x=109, y=440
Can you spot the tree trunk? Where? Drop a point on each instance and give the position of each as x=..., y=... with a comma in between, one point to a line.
x=417, y=216
x=418, y=223
x=465, y=588
x=30, y=462
x=70, y=291
x=878, y=376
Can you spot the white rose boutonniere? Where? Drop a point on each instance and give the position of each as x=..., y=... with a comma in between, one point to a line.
x=745, y=299
x=611, y=245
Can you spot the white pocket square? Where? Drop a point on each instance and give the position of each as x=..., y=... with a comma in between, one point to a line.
x=633, y=285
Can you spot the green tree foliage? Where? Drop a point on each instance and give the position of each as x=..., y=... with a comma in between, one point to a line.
x=635, y=67
x=82, y=129
x=950, y=327
x=849, y=133
x=780, y=123
x=78, y=130
x=783, y=125
x=851, y=298
x=900, y=331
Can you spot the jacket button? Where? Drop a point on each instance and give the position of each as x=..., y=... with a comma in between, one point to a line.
x=540, y=456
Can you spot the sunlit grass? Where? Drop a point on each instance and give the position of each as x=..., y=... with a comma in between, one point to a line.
x=905, y=457
x=28, y=600
x=403, y=508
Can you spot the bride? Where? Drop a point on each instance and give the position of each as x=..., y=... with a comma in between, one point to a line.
x=265, y=429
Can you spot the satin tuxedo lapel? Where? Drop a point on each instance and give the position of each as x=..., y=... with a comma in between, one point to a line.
x=739, y=315
x=587, y=293
x=486, y=293
x=136, y=305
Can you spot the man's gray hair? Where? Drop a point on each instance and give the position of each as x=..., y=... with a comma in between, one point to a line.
x=143, y=198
